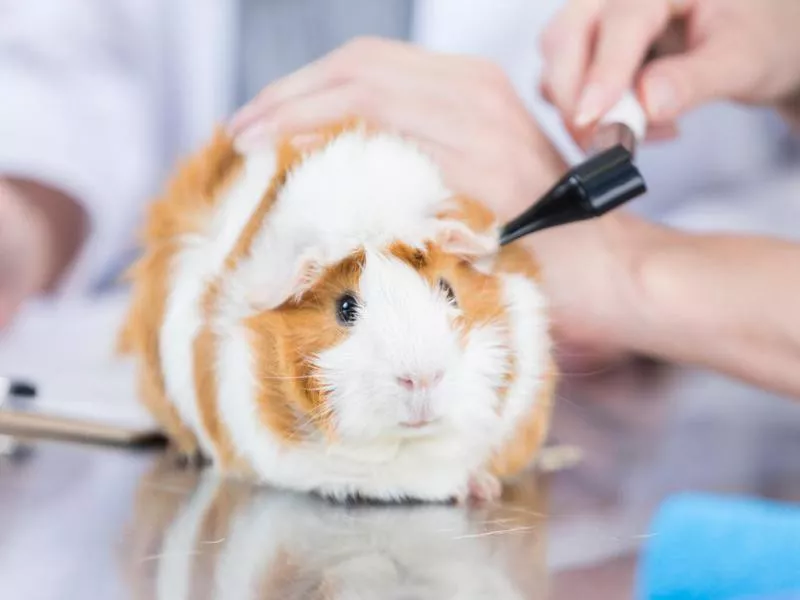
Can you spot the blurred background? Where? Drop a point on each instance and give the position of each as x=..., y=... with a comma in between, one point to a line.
x=101, y=97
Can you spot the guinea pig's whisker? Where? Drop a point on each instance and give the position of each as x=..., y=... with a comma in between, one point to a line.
x=319, y=413
x=319, y=389
x=288, y=378
x=301, y=425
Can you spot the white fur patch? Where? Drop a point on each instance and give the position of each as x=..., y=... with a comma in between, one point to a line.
x=530, y=345
x=358, y=191
x=200, y=259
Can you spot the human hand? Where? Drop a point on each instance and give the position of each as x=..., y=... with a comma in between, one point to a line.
x=40, y=231
x=23, y=251
x=463, y=111
x=590, y=273
x=742, y=50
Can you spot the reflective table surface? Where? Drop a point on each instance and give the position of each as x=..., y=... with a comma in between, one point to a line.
x=90, y=522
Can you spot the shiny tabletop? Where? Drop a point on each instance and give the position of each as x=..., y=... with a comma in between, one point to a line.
x=90, y=522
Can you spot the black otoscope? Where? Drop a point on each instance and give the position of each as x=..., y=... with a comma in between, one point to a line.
x=605, y=180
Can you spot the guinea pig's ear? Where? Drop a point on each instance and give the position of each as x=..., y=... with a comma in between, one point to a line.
x=305, y=271
x=455, y=237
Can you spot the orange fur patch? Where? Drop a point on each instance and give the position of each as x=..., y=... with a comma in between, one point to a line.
x=477, y=294
x=512, y=259
x=206, y=344
x=183, y=209
x=205, y=352
x=472, y=213
x=288, y=157
x=279, y=417
x=286, y=339
x=269, y=348
x=531, y=433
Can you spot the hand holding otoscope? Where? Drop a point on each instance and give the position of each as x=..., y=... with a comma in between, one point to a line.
x=607, y=178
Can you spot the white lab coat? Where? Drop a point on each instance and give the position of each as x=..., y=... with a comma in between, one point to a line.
x=101, y=96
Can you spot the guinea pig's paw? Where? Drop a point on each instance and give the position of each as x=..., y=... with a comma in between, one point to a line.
x=191, y=459
x=483, y=488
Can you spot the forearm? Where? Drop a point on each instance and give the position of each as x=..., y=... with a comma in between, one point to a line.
x=728, y=303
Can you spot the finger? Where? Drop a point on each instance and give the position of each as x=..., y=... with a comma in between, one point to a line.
x=416, y=116
x=565, y=46
x=302, y=116
x=410, y=99
x=364, y=58
x=311, y=78
x=546, y=93
x=673, y=85
x=438, y=133
x=626, y=31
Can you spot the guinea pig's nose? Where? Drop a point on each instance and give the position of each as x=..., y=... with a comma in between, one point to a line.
x=420, y=382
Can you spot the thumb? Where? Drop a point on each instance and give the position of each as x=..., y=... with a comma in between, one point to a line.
x=675, y=84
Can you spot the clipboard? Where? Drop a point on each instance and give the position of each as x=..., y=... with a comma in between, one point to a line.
x=85, y=392
x=37, y=426
x=30, y=420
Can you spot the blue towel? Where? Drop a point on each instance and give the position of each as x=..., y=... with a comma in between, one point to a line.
x=713, y=547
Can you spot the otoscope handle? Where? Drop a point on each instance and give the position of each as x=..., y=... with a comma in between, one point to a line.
x=590, y=189
x=608, y=180
x=604, y=181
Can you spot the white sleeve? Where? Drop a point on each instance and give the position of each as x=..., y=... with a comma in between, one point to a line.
x=77, y=111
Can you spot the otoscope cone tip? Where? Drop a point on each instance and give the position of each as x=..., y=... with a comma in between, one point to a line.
x=588, y=190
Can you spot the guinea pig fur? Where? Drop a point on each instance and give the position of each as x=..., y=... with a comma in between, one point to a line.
x=333, y=319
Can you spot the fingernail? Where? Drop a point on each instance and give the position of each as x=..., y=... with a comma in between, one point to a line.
x=590, y=105
x=660, y=98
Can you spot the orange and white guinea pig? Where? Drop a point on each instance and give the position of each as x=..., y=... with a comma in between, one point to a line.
x=333, y=319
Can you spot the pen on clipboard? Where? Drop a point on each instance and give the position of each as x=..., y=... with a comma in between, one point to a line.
x=605, y=180
x=16, y=387
x=10, y=389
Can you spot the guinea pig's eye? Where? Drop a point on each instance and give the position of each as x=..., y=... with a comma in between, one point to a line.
x=346, y=309
x=445, y=286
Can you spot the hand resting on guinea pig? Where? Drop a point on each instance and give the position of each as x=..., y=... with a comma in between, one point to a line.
x=332, y=319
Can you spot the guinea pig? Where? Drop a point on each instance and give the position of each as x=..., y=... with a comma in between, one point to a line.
x=329, y=317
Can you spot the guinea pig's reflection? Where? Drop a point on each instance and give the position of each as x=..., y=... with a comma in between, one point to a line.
x=226, y=539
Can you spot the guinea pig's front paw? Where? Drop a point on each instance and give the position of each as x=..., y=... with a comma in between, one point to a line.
x=191, y=459
x=483, y=488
